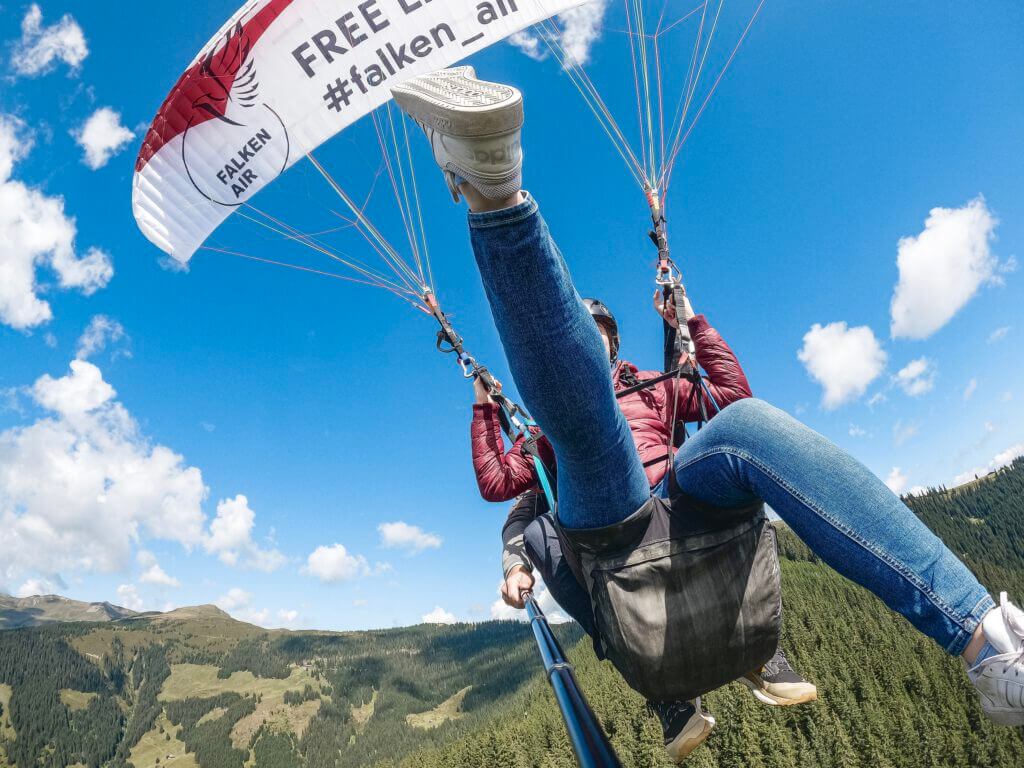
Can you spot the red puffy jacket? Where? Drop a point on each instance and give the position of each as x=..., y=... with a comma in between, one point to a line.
x=504, y=475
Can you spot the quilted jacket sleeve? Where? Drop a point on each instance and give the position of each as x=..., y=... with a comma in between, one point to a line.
x=501, y=475
x=725, y=378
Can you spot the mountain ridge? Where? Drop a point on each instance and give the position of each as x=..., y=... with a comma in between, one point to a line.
x=37, y=610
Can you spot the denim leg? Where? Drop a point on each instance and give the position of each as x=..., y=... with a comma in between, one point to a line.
x=845, y=514
x=545, y=552
x=559, y=365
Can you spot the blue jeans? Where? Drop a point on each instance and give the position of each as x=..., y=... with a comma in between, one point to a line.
x=545, y=552
x=751, y=451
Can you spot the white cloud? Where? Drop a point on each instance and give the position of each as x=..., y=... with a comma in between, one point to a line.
x=942, y=268
x=15, y=145
x=230, y=538
x=333, y=564
x=998, y=334
x=238, y=603
x=581, y=28
x=1000, y=460
x=38, y=586
x=253, y=616
x=128, y=597
x=554, y=613
x=81, y=485
x=439, y=616
x=35, y=232
x=157, y=575
x=101, y=331
x=82, y=391
x=897, y=480
x=917, y=377
x=856, y=431
x=42, y=47
x=843, y=360
x=153, y=573
x=527, y=42
x=902, y=432
x=970, y=389
x=578, y=30
x=401, y=535
x=1007, y=457
x=877, y=399
x=234, y=599
x=101, y=137
x=917, y=490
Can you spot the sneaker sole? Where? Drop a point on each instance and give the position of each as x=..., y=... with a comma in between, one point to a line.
x=679, y=752
x=1011, y=717
x=778, y=701
x=455, y=103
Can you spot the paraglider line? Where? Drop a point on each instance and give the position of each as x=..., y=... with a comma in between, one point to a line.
x=398, y=191
x=386, y=251
x=714, y=87
x=369, y=273
x=579, y=78
x=683, y=96
x=292, y=233
x=636, y=83
x=410, y=226
x=679, y=21
x=310, y=270
x=419, y=207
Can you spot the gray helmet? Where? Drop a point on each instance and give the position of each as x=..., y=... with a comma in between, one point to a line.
x=603, y=316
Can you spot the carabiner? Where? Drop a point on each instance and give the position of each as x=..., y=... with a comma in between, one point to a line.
x=668, y=274
x=468, y=365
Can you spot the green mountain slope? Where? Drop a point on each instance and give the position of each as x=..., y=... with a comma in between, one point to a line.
x=196, y=688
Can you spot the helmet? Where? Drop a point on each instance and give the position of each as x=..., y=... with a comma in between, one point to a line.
x=603, y=316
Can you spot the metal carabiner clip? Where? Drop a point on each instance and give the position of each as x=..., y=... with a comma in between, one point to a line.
x=668, y=274
x=468, y=365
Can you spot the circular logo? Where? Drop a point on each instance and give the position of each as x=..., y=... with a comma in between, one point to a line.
x=229, y=161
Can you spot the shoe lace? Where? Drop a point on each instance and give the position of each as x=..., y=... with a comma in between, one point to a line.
x=776, y=665
x=669, y=711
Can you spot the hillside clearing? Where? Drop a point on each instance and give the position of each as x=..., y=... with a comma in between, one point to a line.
x=76, y=700
x=201, y=681
x=449, y=709
x=214, y=714
x=277, y=716
x=362, y=714
x=155, y=746
x=6, y=729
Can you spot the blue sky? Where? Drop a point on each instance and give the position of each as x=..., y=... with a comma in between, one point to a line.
x=830, y=141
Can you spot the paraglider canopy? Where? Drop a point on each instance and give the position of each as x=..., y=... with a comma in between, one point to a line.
x=280, y=78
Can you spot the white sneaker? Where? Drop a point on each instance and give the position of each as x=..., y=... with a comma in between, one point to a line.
x=473, y=126
x=1000, y=678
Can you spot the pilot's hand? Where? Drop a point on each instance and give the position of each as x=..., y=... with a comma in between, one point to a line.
x=480, y=390
x=518, y=582
x=667, y=309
